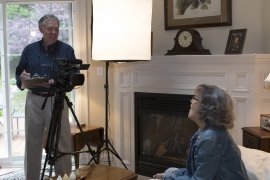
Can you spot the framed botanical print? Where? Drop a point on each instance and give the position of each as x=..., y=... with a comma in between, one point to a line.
x=195, y=14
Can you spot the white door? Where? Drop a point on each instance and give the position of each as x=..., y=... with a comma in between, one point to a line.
x=21, y=29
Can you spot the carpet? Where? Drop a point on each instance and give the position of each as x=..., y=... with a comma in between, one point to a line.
x=16, y=175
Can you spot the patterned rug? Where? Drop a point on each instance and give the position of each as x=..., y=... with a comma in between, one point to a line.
x=16, y=175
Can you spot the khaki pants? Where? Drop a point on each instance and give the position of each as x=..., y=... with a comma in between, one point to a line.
x=35, y=122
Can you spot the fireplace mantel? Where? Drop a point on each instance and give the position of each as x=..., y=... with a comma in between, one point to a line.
x=240, y=75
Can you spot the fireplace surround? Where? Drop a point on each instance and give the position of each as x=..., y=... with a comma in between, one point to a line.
x=240, y=75
x=162, y=131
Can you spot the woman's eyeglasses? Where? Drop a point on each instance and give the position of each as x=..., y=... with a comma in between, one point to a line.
x=194, y=99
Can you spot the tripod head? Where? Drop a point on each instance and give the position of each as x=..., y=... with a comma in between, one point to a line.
x=67, y=76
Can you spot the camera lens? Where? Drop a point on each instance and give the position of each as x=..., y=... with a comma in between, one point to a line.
x=76, y=79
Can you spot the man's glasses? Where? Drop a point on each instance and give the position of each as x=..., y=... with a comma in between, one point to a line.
x=50, y=29
x=194, y=99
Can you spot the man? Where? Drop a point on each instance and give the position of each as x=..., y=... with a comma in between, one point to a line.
x=38, y=58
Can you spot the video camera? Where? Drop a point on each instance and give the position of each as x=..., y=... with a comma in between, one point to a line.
x=68, y=71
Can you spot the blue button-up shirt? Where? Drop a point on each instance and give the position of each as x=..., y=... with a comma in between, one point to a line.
x=35, y=59
x=213, y=155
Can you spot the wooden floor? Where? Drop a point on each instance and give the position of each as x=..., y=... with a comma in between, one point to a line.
x=17, y=142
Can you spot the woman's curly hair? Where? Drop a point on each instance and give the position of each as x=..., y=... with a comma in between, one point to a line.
x=216, y=106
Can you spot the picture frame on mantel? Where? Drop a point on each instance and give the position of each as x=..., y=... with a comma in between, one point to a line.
x=210, y=13
x=235, y=42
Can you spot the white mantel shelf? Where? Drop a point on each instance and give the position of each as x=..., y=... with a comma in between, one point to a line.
x=250, y=58
x=240, y=75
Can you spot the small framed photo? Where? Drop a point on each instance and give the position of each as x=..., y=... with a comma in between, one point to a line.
x=236, y=41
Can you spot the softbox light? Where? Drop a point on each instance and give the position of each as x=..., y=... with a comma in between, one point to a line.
x=121, y=30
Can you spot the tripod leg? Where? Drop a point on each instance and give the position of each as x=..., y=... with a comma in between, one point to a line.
x=116, y=154
x=108, y=153
x=44, y=166
x=99, y=151
x=50, y=175
x=53, y=134
x=107, y=148
x=54, y=138
x=79, y=126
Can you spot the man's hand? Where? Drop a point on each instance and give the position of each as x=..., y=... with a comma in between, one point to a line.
x=25, y=75
x=47, y=84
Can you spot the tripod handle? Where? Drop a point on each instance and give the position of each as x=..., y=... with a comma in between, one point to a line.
x=45, y=100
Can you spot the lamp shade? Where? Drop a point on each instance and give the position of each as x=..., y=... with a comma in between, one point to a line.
x=268, y=78
x=121, y=30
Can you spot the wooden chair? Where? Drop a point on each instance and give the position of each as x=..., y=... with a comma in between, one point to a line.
x=16, y=114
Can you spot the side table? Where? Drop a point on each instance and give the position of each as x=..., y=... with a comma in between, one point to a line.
x=95, y=136
x=256, y=138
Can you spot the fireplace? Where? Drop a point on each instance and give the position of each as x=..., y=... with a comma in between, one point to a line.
x=162, y=131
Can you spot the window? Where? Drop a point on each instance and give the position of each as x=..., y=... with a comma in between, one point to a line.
x=22, y=29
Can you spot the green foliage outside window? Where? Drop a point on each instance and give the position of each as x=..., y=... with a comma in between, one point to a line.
x=18, y=9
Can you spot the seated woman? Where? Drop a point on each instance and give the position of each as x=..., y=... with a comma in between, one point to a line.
x=213, y=153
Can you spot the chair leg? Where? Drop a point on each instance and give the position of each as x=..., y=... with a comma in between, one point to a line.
x=18, y=126
x=12, y=128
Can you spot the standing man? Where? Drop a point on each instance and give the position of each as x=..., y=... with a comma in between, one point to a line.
x=38, y=58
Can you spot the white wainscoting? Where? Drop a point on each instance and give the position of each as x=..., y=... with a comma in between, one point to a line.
x=240, y=75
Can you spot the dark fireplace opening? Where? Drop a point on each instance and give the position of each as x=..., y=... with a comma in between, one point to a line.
x=162, y=132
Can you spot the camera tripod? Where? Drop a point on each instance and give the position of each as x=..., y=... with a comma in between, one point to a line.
x=106, y=142
x=52, y=153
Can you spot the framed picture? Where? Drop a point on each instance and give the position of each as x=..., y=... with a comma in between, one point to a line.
x=195, y=14
x=236, y=41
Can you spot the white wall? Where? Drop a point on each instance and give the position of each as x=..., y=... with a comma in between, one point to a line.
x=265, y=27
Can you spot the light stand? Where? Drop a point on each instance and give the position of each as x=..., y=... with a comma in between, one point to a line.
x=129, y=40
x=106, y=144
